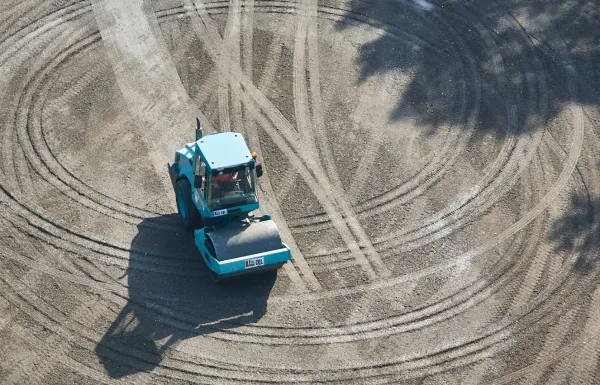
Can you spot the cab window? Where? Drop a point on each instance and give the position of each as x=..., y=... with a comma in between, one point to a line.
x=200, y=170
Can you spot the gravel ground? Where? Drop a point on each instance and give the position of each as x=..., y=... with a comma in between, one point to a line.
x=432, y=164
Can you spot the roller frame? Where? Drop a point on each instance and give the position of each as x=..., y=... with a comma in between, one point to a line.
x=220, y=270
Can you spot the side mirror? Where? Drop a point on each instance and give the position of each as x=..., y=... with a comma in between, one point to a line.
x=198, y=181
x=259, y=170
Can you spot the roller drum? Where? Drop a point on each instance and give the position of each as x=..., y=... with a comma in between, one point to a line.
x=235, y=242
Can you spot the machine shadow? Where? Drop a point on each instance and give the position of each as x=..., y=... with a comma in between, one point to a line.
x=171, y=298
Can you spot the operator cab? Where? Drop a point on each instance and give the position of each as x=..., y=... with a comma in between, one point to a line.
x=232, y=187
x=226, y=171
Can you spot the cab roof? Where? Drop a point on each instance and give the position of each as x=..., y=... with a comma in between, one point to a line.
x=225, y=149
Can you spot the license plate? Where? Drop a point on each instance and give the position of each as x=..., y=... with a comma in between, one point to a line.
x=250, y=263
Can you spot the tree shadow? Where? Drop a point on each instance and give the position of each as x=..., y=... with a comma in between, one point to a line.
x=579, y=230
x=516, y=65
x=171, y=298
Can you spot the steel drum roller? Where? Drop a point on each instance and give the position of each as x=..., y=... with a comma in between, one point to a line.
x=257, y=237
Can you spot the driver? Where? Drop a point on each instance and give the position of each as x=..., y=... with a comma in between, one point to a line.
x=223, y=178
x=226, y=182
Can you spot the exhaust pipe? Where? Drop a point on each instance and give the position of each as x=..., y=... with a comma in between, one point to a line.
x=198, y=129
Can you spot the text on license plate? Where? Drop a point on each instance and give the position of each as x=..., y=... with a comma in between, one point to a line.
x=255, y=262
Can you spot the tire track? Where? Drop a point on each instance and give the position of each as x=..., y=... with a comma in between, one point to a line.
x=361, y=376
x=130, y=34
x=587, y=359
x=21, y=168
x=554, y=360
x=306, y=33
x=173, y=375
x=439, y=227
x=7, y=313
x=35, y=369
x=264, y=83
x=500, y=163
x=539, y=260
x=38, y=154
x=118, y=289
x=287, y=185
x=584, y=364
x=76, y=87
x=232, y=49
x=51, y=271
x=30, y=339
x=66, y=336
x=178, y=40
x=491, y=173
x=553, y=342
x=10, y=48
x=10, y=59
x=454, y=282
x=271, y=65
x=272, y=205
x=59, y=59
x=247, y=37
x=326, y=10
x=76, y=199
x=13, y=15
x=107, y=201
x=59, y=266
x=560, y=375
x=471, y=297
x=67, y=330
x=302, y=111
x=87, y=245
x=437, y=167
x=232, y=41
x=272, y=198
x=547, y=199
x=321, y=141
x=64, y=239
x=204, y=27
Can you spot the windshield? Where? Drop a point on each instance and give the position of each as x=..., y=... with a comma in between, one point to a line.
x=232, y=188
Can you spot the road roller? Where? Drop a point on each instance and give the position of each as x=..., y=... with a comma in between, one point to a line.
x=214, y=179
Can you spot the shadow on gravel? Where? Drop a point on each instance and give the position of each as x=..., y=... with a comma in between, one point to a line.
x=579, y=230
x=521, y=55
x=171, y=298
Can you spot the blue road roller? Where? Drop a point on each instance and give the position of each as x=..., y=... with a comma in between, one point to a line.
x=214, y=179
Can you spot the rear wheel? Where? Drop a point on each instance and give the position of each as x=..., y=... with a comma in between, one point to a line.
x=188, y=213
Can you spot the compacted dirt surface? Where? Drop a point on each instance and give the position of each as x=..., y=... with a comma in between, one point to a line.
x=433, y=165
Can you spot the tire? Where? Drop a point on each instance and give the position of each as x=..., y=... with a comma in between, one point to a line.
x=188, y=213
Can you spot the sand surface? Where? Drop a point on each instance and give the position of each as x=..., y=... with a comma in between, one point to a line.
x=434, y=166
